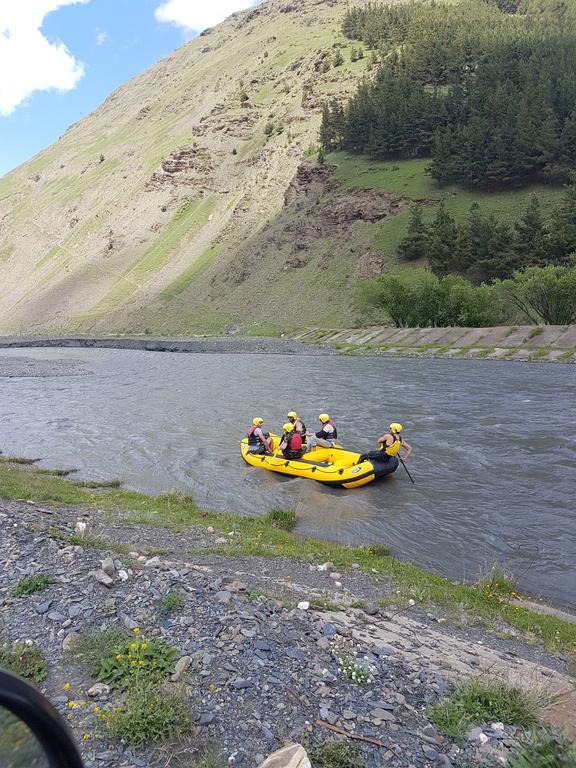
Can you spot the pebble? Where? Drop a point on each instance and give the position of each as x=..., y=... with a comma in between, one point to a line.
x=182, y=666
x=304, y=605
x=70, y=641
x=98, y=689
x=224, y=597
x=108, y=566
x=153, y=562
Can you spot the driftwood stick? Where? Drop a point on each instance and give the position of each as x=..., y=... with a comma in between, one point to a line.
x=342, y=732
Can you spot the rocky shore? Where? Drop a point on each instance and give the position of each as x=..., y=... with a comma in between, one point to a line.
x=269, y=651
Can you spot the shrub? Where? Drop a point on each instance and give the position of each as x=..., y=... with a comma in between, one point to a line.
x=138, y=661
x=326, y=753
x=417, y=298
x=351, y=668
x=545, y=293
x=149, y=714
x=31, y=584
x=477, y=702
x=24, y=659
x=545, y=749
x=282, y=518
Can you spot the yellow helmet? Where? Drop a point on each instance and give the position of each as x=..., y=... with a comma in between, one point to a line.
x=292, y=415
x=395, y=428
x=257, y=421
x=324, y=418
x=288, y=427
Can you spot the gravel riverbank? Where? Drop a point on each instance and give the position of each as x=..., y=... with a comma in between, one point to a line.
x=260, y=659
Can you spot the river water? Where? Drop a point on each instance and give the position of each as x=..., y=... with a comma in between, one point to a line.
x=494, y=446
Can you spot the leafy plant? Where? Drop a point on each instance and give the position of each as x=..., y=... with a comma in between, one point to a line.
x=31, y=584
x=171, y=601
x=497, y=583
x=478, y=702
x=351, y=668
x=150, y=714
x=94, y=646
x=545, y=749
x=137, y=662
x=282, y=518
x=24, y=659
x=326, y=753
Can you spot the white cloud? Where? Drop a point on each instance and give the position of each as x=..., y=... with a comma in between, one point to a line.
x=28, y=61
x=196, y=15
x=101, y=37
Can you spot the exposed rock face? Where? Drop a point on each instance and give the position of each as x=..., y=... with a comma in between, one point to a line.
x=184, y=167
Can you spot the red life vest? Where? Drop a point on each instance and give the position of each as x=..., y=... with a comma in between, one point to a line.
x=295, y=441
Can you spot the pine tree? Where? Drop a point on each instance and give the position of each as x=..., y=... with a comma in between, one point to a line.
x=530, y=237
x=326, y=129
x=442, y=235
x=563, y=229
x=415, y=244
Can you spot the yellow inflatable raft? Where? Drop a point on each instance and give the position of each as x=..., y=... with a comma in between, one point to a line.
x=332, y=466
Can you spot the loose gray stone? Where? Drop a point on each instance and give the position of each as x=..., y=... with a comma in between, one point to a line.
x=108, y=566
x=104, y=579
x=182, y=666
x=224, y=597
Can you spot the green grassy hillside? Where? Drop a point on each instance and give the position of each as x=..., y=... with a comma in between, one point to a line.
x=180, y=206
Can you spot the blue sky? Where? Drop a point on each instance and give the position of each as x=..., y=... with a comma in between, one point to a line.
x=60, y=60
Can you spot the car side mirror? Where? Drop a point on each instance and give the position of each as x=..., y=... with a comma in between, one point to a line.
x=32, y=733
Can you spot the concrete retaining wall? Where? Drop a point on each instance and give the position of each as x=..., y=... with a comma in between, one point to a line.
x=548, y=343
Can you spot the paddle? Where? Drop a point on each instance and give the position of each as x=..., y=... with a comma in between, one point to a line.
x=406, y=468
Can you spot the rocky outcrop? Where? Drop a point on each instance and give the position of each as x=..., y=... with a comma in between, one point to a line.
x=189, y=166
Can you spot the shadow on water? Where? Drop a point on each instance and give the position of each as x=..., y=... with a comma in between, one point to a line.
x=494, y=459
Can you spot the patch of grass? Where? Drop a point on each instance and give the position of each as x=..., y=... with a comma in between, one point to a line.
x=324, y=604
x=171, y=601
x=256, y=536
x=24, y=659
x=115, y=483
x=285, y=519
x=376, y=549
x=211, y=758
x=539, y=353
x=567, y=355
x=57, y=472
x=150, y=714
x=497, y=583
x=535, y=332
x=546, y=748
x=19, y=460
x=478, y=702
x=329, y=753
x=31, y=584
x=95, y=645
x=90, y=541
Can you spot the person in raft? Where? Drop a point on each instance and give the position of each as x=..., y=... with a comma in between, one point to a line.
x=326, y=436
x=391, y=446
x=258, y=440
x=299, y=425
x=291, y=444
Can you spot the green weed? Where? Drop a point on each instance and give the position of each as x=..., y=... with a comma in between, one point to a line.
x=328, y=753
x=497, y=583
x=378, y=550
x=94, y=646
x=31, y=584
x=171, y=601
x=24, y=659
x=115, y=483
x=138, y=662
x=285, y=519
x=150, y=714
x=477, y=702
x=211, y=758
x=545, y=749
x=535, y=332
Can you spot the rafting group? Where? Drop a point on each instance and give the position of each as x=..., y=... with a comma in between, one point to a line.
x=318, y=456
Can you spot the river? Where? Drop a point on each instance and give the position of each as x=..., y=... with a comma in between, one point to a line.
x=494, y=446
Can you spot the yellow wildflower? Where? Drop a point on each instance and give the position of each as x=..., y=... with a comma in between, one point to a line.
x=136, y=630
x=66, y=686
x=86, y=737
x=71, y=704
x=133, y=646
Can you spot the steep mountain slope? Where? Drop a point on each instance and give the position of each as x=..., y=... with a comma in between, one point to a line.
x=135, y=218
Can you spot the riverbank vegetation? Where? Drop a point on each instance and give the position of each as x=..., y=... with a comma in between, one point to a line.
x=418, y=298
x=258, y=536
